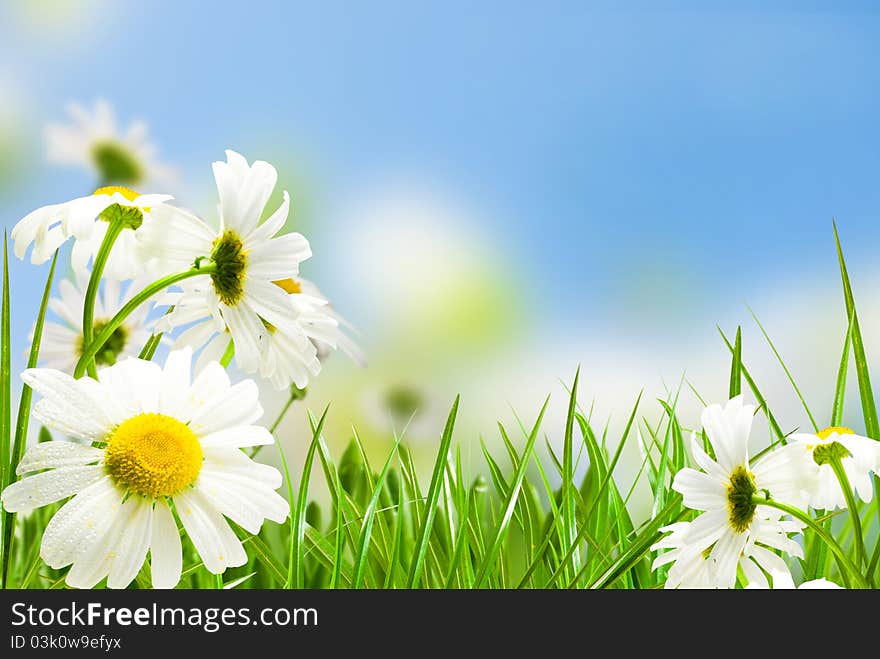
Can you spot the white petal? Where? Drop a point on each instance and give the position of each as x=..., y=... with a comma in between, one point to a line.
x=54, y=454
x=166, y=554
x=77, y=408
x=248, y=334
x=175, y=384
x=130, y=553
x=49, y=486
x=244, y=504
x=79, y=521
x=238, y=406
x=238, y=437
x=726, y=553
x=215, y=542
x=135, y=384
x=234, y=463
x=700, y=491
x=278, y=258
x=272, y=225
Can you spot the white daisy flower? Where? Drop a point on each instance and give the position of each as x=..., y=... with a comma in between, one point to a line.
x=859, y=456
x=694, y=568
x=732, y=525
x=61, y=345
x=240, y=297
x=166, y=445
x=783, y=581
x=92, y=140
x=87, y=219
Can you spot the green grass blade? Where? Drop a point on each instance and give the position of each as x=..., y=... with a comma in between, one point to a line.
x=297, y=565
x=869, y=408
x=514, y=488
x=6, y=466
x=640, y=545
x=421, y=546
x=840, y=388
x=762, y=402
x=369, y=517
x=736, y=366
x=785, y=368
x=24, y=413
x=569, y=526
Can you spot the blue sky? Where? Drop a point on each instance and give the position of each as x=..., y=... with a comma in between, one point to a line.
x=619, y=158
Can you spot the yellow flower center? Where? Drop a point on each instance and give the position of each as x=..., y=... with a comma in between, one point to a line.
x=153, y=455
x=831, y=430
x=108, y=190
x=289, y=285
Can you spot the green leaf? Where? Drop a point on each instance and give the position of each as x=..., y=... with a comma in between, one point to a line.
x=24, y=413
x=736, y=366
x=430, y=508
x=869, y=408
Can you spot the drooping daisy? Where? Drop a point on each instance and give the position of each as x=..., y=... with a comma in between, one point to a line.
x=241, y=295
x=62, y=343
x=93, y=141
x=166, y=445
x=87, y=219
x=326, y=336
x=859, y=456
x=732, y=525
x=287, y=355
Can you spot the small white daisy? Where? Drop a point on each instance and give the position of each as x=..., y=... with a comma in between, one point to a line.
x=166, y=443
x=241, y=295
x=62, y=343
x=92, y=140
x=732, y=525
x=859, y=456
x=86, y=219
x=784, y=581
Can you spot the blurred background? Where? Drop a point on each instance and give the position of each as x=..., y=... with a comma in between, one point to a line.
x=498, y=193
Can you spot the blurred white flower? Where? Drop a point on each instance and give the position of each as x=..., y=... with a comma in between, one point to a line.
x=86, y=219
x=93, y=140
x=732, y=525
x=863, y=458
x=240, y=297
x=62, y=343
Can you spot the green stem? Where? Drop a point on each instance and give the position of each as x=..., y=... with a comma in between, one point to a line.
x=88, y=325
x=842, y=559
x=837, y=465
x=92, y=348
x=294, y=395
x=228, y=354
